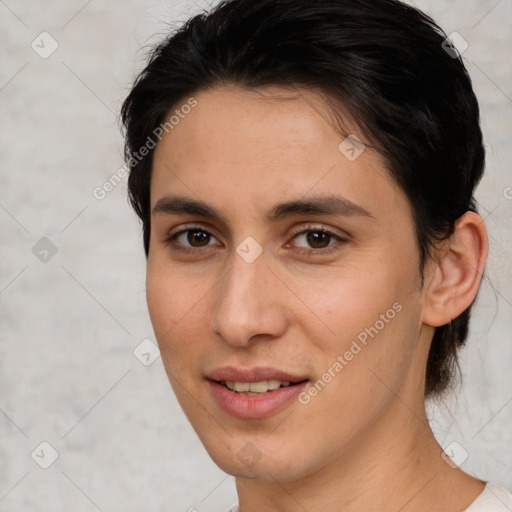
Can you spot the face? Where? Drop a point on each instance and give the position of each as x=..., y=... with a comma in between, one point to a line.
x=279, y=260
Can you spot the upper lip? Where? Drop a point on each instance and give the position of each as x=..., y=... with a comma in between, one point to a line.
x=255, y=374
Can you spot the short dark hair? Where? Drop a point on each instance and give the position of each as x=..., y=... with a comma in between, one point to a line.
x=386, y=64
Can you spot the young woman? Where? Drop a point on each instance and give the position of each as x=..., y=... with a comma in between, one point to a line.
x=304, y=172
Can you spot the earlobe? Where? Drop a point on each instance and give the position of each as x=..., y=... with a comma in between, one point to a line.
x=457, y=274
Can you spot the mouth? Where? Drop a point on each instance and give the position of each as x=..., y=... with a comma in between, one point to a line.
x=257, y=388
x=254, y=393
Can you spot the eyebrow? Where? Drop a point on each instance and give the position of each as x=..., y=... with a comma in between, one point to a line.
x=319, y=205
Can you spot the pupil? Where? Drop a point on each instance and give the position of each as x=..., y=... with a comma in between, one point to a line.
x=198, y=238
x=318, y=239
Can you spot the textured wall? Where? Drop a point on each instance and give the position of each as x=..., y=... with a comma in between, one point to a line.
x=72, y=305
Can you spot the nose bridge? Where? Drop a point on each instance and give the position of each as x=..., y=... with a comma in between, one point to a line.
x=246, y=303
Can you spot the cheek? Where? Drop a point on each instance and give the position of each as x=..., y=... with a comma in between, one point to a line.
x=174, y=304
x=370, y=319
x=346, y=302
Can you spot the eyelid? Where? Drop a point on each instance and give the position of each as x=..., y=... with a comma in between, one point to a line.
x=190, y=227
x=342, y=235
x=300, y=230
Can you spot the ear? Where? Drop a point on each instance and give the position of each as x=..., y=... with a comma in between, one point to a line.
x=456, y=276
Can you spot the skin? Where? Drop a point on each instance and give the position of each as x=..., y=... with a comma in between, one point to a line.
x=363, y=442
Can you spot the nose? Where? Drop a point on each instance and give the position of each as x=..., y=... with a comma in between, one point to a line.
x=249, y=303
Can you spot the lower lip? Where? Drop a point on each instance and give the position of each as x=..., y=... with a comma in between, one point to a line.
x=254, y=406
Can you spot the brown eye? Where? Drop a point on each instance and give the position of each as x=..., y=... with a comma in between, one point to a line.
x=198, y=238
x=318, y=239
x=192, y=239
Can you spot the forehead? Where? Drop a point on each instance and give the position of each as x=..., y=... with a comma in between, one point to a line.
x=246, y=148
x=231, y=118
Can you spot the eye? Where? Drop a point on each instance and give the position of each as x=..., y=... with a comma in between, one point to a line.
x=192, y=239
x=317, y=240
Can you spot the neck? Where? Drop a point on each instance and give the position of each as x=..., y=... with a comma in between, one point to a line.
x=396, y=465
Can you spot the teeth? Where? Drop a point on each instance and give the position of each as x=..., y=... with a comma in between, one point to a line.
x=255, y=388
x=274, y=384
x=242, y=386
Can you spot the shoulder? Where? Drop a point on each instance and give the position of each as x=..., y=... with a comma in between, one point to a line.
x=494, y=498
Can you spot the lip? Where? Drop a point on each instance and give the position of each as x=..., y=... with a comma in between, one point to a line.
x=253, y=406
x=255, y=374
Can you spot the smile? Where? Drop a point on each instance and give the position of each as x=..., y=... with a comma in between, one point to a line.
x=255, y=388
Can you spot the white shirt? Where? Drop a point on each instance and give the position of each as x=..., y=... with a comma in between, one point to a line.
x=494, y=498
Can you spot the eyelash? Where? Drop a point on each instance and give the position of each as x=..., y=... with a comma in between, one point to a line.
x=308, y=252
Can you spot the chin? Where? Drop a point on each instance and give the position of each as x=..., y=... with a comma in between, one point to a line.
x=256, y=460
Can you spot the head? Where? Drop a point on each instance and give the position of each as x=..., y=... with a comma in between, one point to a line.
x=323, y=158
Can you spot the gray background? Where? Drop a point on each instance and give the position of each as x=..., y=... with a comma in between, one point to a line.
x=70, y=321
